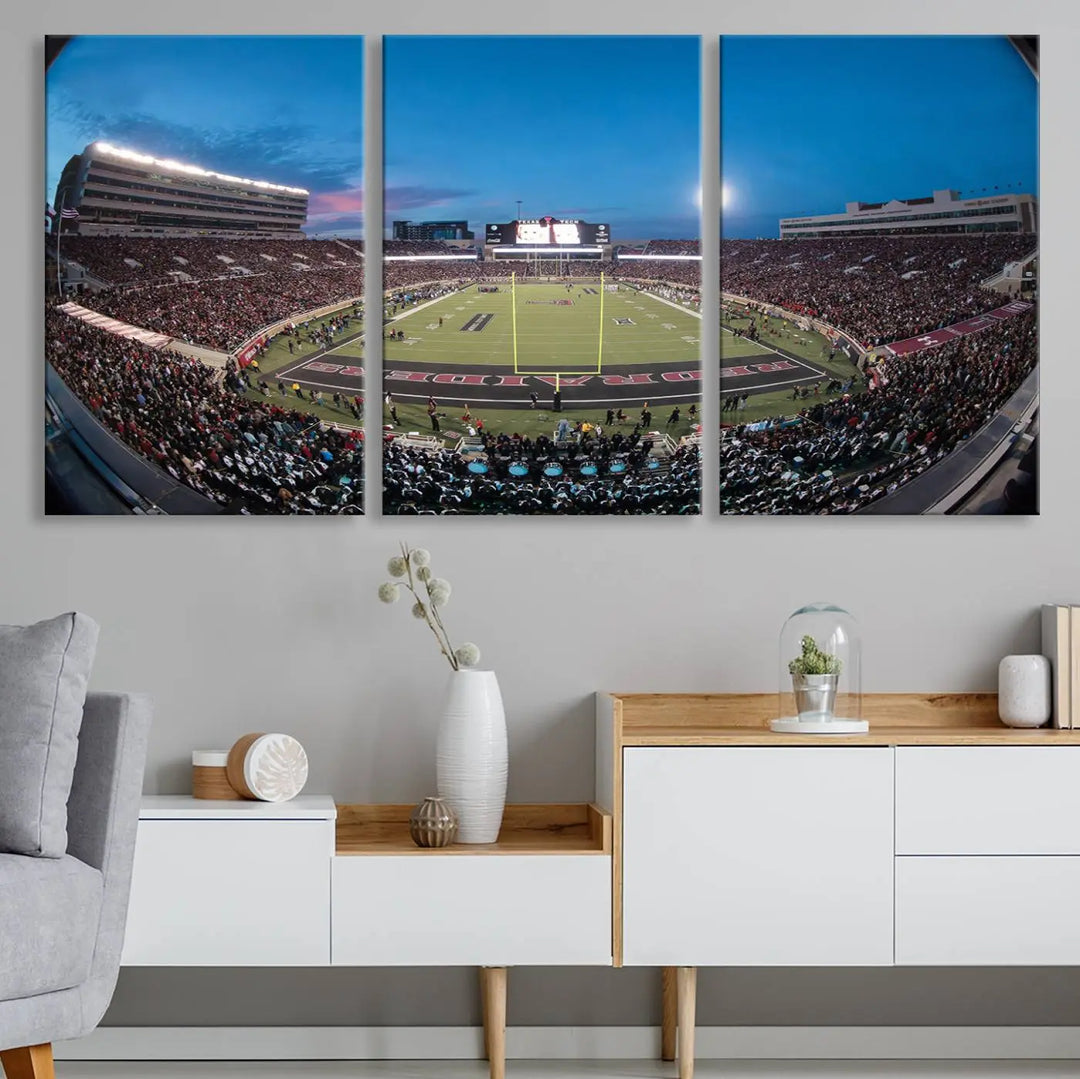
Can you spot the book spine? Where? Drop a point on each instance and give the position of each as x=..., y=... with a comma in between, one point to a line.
x=1074, y=666
x=1055, y=646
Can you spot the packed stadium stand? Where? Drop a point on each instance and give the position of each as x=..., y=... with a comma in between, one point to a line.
x=420, y=481
x=245, y=455
x=879, y=289
x=133, y=260
x=845, y=454
x=214, y=292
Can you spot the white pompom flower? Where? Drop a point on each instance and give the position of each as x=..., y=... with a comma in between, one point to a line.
x=419, y=557
x=439, y=596
x=418, y=610
x=396, y=567
x=423, y=573
x=468, y=655
x=439, y=584
x=388, y=592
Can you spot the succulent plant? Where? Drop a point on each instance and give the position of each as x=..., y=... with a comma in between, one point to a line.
x=813, y=660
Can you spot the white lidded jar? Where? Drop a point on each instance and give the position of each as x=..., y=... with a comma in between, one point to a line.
x=1024, y=698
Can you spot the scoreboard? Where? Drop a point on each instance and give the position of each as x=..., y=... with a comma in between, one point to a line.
x=547, y=231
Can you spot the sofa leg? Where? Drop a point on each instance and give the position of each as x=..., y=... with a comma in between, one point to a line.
x=30, y=1062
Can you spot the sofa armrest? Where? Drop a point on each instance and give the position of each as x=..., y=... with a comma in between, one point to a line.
x=103, y=808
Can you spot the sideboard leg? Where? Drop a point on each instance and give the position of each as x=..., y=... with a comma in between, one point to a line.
x=484, y=994
x=494, y=997
x=687, y=982
x=669, y=1010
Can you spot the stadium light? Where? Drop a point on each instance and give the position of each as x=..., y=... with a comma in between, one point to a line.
x=194, y=170
x=660, y=258
x=428, y=258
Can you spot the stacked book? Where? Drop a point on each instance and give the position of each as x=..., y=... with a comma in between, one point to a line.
x=1061, y=645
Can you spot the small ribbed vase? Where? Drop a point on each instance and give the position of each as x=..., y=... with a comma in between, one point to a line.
x=470, y=755
x=432, y=824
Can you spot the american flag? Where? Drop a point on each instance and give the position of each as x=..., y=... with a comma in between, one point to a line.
x=66, y=212
x=49, y=211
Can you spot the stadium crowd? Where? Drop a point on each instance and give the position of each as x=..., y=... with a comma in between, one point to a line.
x=248, y=456
x=419, y=481
x=222, y=313
x=839, y=456
x=420, y=247
x=673, y=247
x=398, y=275
x=878, y=288
x=125, y=260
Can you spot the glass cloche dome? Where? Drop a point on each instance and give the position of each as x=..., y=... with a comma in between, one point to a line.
x=820, y=673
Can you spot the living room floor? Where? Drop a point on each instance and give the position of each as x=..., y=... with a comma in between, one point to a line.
x=563, y=1069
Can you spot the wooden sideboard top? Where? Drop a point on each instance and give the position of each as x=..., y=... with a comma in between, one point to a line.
x=574, y=828
x=718, y=719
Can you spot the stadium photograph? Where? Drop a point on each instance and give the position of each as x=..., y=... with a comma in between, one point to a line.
x=879, y=275
x=203, y=242
x=541, y=276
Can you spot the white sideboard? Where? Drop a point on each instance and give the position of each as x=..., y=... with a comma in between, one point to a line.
x=231, y=884
x=939, y=838
x=308, y=883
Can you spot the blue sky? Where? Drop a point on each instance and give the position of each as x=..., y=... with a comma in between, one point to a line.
x=284, y=109
x=810, y=123
x=601, y=128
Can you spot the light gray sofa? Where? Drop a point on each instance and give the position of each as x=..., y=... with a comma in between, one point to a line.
x=62, y=919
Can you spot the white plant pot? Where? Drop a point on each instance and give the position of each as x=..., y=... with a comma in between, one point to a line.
x=470, y=755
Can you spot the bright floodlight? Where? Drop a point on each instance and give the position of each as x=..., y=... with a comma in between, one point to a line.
x=725, y=195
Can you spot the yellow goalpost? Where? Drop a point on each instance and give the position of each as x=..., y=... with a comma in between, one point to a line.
x=556, y=374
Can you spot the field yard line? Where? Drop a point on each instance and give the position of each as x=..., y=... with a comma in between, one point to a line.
x=671, y=303
x=765, y=385
x=774, y=351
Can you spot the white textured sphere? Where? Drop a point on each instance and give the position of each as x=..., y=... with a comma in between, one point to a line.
x=275, y=768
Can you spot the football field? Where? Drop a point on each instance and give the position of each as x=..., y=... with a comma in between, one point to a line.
x=544, y=329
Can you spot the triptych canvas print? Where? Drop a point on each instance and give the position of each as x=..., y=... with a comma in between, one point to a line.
x=539, y=324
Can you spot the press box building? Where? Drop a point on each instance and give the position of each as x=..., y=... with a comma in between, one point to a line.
x=121, y=192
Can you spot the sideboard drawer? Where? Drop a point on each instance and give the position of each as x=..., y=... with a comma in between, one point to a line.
x=461, y=909
x=230, y=893
x=987, y=911
x=758, y=856
x=987, y=799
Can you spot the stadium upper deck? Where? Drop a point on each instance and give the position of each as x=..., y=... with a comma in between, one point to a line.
x=121, y=192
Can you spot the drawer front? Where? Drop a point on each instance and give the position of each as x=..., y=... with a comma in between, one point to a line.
x=987, y=911
x=751, y=856
x=988, y=800
x=230, y=893
x=472, y=910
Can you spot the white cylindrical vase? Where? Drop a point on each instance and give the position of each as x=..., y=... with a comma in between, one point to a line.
x=1024, y=691
x=470, y=755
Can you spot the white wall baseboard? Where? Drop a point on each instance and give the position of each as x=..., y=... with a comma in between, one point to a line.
x=573, y=1043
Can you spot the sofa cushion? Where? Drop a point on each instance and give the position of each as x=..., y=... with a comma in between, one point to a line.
x=44, y=670
x=51, y=908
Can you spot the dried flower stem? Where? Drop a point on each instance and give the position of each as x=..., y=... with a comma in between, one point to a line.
x=430, y=611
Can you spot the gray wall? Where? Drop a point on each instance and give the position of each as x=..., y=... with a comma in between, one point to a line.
x=240, y=624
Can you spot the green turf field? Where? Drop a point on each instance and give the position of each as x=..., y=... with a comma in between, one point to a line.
x=550, y=337
x=786, y=336
x=277, y=353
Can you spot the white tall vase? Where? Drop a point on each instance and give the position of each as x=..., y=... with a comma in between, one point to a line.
x=470, y=755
